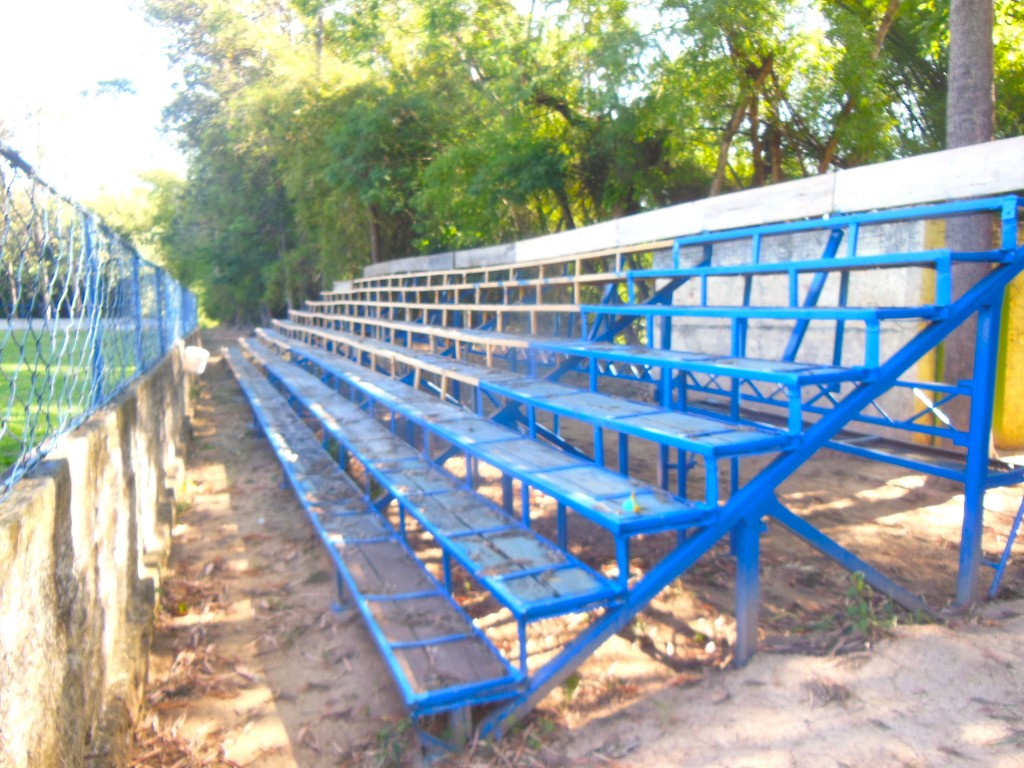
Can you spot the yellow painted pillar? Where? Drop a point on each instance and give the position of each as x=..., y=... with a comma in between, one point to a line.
x=1008, y=412
x=1008, y=417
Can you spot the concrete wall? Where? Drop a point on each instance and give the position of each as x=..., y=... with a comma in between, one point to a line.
x=768, y=339
x=80, y=539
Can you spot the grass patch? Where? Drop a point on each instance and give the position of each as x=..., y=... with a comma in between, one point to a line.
x=46, y=381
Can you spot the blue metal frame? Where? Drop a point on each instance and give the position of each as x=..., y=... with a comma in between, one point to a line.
x=810, y=405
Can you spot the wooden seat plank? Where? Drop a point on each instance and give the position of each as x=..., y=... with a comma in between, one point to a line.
x=446, y=665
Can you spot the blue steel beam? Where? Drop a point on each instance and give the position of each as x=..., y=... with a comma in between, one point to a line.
x=813, y=294
x=1005, y=205
x=982, y=388
x=1000, y=565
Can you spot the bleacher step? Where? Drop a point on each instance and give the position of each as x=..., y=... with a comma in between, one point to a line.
x=574, y=481
x=703, y=435
x=525, y=572
x=439, y=658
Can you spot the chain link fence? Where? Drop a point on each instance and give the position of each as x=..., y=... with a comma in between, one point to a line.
x=82, y=315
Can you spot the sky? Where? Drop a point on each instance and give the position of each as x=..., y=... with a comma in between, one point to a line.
x=53, y=54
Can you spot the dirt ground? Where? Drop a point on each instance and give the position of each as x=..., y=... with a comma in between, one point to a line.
x=253, y=667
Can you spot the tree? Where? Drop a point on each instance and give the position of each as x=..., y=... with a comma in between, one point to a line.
x=969, y=120
x=325, y=135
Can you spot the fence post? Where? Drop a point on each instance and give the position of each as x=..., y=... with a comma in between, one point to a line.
x=179, y=315
x=140, y=351
x=160, y=310
x=94, y=307
x=182, y=318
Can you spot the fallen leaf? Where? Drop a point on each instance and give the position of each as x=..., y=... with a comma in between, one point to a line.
x=245, y=672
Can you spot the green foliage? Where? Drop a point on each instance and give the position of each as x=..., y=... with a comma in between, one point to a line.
x=391, y=742
x=322, y=136
x=569, y=688
x=1009, y=67
x=871, y=618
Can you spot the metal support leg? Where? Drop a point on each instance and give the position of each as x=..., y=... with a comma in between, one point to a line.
x=506, y=493
x=746, y=539
x=563, y=531
x=342, y=602
x=986, y=347
x=665, y=387
x=622, y=556
x=663, y=462
x=460, y=726
x=682, y=471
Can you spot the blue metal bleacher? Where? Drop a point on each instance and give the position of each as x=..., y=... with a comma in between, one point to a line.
x=407, y=372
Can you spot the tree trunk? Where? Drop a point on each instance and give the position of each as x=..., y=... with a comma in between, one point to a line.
x=969, y=119
x=739, y=112
x=774, y=141
x=756, y=149
x=723, y=149
x=374, y=236
x=850, y=104
x=568, y=222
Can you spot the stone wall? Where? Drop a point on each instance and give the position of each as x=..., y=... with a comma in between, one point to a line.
x=81, y=539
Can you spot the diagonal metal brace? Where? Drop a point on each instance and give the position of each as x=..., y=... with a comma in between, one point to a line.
x=847, y=559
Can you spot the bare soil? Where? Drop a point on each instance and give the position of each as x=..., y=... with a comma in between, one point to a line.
x=252, y=666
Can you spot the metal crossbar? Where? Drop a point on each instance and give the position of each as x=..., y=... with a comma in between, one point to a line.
x=83, y=315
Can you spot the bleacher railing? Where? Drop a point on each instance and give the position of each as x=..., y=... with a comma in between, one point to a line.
x=83, y=315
